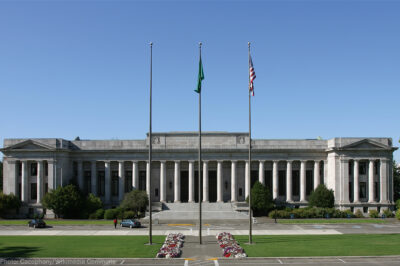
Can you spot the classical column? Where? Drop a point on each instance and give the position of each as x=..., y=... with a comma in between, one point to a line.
x=93, y=177
x=261, y=174
x=233, y=181
x=107, y=182
x=356, y=182
x=163, y=181
x=135, y=175
x=219, y=181
x=121, y=180
x=205, y=181
x=191, y=181
x=371, y=173
x=39, y=181
x=148, y=179
x=383, y=179
x=316, y=174
x=345, y=178
x=275, y=183
x=246, y=180
x=177, y=182
x=10, y=183
x=303, y=181
x=289, y=181
x=80, y=175
x=24, y=182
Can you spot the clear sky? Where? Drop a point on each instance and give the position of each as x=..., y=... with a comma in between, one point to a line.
x=81, y=68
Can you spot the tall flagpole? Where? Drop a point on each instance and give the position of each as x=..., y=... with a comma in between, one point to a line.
x=150, y=143
x=200, y=177
x=249, y=168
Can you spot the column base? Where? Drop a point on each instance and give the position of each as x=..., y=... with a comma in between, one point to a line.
x=220, y=201
x=177, y=201
x=206, y=201
x=191, y=201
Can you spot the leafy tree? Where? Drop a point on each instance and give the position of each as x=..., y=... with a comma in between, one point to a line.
x=92, y=203
x=136, y=201
x=8, y=203
x=322, y=197
x=66, y=202
x=261, y=199
x=396, y=181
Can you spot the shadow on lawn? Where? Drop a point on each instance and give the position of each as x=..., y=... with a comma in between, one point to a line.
x=17, y=252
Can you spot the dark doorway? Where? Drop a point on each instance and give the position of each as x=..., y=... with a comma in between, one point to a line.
x=296, y=182
x=142, y=180
x=268, y=180
x=196, y=186
x=184, y=186
x=212, y=186
x=309, y=182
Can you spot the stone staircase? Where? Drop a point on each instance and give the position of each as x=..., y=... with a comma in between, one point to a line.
x=190, y=212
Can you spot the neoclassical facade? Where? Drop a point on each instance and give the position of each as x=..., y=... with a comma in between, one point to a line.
x=359, y=170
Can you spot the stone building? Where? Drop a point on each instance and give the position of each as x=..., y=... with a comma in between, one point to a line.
x=359, y=170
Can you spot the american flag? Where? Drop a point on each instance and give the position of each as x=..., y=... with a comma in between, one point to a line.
x=252, y=76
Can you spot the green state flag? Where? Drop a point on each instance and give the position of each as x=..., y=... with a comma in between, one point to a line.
x=200, y=78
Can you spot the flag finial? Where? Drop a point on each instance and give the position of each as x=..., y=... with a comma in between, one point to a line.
x=248, y=43
x=151, y=43
x=200, y=43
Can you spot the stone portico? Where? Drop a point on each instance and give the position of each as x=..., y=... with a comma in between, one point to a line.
x=359, y=170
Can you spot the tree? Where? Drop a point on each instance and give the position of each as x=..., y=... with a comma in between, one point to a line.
x=92, y=204
x=261, y=199
x=396, y=181
x=66, y=202
x=322, y=197
x=8, y=203
x=136, y=200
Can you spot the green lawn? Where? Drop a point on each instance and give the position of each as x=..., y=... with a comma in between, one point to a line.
x=321, y=245
x=333, y=221
x=79, y=246
x=59, y=222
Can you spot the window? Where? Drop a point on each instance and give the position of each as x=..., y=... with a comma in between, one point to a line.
x=156, y=192
x=19, y=169
x=142, y=180
x=87, y=182
x=128, y=181
x=268, y=179
x=114, y=183
x=309, y=182
x=362, y=168
x=363, y=190
x=240, y=192
x=296, y=182
x=33, y=191
x=376, y=167
x=351, y=168
x=46, y=188
x=351, y=191
x=20, y=191
x=33, y=169
x=282, y=182
x=46, y=169
x=101, y=183
x=376, y=189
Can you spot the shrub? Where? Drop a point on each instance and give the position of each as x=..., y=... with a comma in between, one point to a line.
x=388, y=213
x=109, y=214
x=8, y=203
x=322, y=197
x=373, y=214
x=398, y=204
x=398, y=214
x=99, y=214
x=129, y=215
x=349, y=213
x=92, y=203
x=359, y=214
x=261, y=199
x=65, y=201
x=136, y=200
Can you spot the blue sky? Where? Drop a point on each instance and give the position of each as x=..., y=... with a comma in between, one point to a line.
x=81, y=68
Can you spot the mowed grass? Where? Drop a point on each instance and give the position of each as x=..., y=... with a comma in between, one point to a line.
x=79, y=246
x=321, y=245
x=60, y=222
x=332, y=221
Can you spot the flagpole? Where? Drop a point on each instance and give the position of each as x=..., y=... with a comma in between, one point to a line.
x=249, y=168
x=200, y=179
x=150, y=148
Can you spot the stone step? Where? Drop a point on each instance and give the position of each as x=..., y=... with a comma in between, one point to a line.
x=209, y=206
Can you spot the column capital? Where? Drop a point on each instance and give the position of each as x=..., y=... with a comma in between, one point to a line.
x=275, y=161
x=177, y=161
x=289, y=161
x=384, y=159
x=234, y=161
x=345, y=160
x=163, y=161
x=220, y=161
x=205, y=161
x=121, y=161
x=303, y=161
x=192, y=161
x=12, y=161
x=261, y=161
x=317, y=161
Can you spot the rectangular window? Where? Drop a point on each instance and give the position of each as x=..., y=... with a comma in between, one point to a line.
x=268, y=179
x=46, y=188
x=376, y=168
x=363, y=190
x=33, y=191
x=350, y=168
x=282, y=182
x=376, y=188
x=19, y=169
x=128, y=181
x=33, y=169
x=296, y=182
x=309, y=182
x=20, y=191
x=114, y=183
x=351, y=191
x=101, y=183
x=87, y=182
x=362, y=168
x=142, y=180
x=46, y=169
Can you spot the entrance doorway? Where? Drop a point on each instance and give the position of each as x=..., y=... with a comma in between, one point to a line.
x=212, y=186
x=184, y=186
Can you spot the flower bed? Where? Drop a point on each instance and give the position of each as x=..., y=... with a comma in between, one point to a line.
x=172, y=246
x=230, y=247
